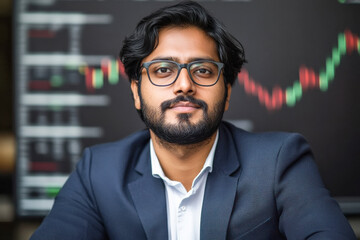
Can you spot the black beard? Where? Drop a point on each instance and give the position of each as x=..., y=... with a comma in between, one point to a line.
x=183, y=133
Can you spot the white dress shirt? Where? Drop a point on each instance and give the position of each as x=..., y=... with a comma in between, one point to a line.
x=183, y=208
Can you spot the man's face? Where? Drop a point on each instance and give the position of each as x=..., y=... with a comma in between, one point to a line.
x=182, y=113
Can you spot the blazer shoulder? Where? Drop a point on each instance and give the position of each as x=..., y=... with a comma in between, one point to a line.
x=270, y=139
x=265, y=146
x=127, y=144
x=114, y=156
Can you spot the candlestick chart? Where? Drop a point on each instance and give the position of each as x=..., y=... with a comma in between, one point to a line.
x=110, y=69
x=308, y=78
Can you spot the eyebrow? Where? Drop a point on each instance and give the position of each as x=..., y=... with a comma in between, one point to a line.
x=175, y=59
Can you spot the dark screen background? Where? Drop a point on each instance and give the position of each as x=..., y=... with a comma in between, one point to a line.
x=279, y=38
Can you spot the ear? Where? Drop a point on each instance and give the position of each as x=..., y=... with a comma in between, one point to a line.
x=228, y=97
x=134, y=89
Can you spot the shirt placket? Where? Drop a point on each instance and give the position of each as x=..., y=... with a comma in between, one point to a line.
x=183, y=218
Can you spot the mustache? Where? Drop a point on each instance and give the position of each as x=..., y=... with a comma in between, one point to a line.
x=166, y=104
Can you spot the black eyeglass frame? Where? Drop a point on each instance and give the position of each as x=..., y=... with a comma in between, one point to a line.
x=181, y=66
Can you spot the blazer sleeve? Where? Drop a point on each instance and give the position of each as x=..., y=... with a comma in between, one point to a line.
x=74, y=214
x=306, y=210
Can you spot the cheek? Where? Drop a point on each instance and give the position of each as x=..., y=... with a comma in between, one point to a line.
x=215, y=97
x=153, y=96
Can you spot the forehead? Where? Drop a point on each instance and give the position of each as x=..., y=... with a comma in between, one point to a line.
x=184, y=44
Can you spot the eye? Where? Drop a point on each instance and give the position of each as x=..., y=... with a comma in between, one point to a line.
x=202, y=71
x=163, y=70
x=162, y=67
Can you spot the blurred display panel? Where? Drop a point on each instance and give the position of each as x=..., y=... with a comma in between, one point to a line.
x=302, y=76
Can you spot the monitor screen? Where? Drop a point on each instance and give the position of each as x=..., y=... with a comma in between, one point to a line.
x=302, y=75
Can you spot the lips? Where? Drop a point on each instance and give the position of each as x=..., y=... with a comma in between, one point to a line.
x=184, y=105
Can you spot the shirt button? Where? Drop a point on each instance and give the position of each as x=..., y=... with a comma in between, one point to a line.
x=182, y=209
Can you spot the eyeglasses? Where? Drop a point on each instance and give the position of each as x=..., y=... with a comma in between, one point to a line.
x=163, y=73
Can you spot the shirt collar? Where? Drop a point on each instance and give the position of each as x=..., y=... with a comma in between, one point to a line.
x=159, y=173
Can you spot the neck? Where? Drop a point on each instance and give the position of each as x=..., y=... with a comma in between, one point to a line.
x=182, y=163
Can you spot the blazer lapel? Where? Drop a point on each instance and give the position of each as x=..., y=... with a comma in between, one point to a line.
x=148, y=194
x=220, y=189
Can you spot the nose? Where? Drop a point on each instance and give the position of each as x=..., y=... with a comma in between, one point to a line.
x=184, y=84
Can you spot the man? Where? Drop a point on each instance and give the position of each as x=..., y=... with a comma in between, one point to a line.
x=191, y=176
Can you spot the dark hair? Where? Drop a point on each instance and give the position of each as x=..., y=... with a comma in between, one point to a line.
x=144, y=39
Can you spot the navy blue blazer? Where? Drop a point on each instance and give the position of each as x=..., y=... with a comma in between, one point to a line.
x=263, y=186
